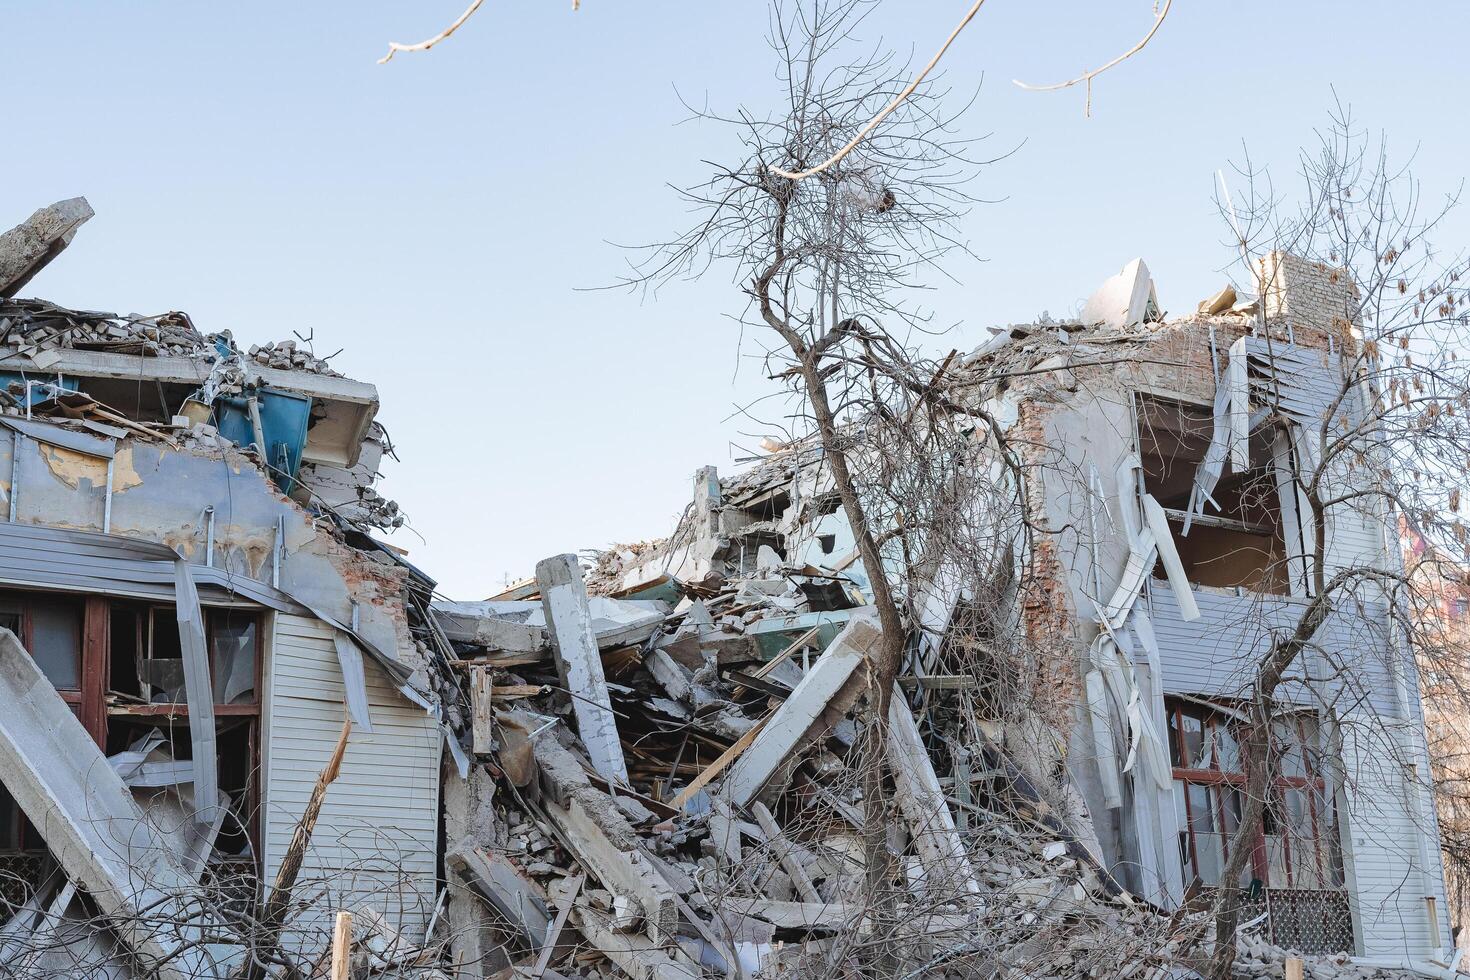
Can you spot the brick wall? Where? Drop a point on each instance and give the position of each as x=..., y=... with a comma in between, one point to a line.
x=1315, y=299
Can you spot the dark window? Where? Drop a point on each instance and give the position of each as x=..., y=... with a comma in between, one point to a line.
x=1235, y=544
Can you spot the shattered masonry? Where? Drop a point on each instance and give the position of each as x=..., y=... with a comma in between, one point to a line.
x=648, y=767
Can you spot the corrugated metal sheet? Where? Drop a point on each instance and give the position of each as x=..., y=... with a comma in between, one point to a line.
x=377, y=839
x=58, y=435
x=1306, y=380
x=110, y=564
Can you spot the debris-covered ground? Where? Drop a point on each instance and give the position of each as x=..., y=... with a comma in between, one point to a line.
x=713, y=822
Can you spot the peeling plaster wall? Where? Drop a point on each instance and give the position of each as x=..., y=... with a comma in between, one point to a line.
x=160, y=494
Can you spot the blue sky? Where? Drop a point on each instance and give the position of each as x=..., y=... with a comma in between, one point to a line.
x=435, y=217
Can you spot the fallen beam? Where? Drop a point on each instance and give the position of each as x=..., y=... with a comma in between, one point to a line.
x=515, y=896
x=922, y=801
x=785, y=853
x=594, y=829
x=802, y=915
x=790, y=726
x=569, y=621
x=638, y=956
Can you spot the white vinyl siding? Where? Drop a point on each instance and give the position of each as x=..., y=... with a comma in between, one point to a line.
x=1381, y=849
x=376, y=841
x=1215, y=654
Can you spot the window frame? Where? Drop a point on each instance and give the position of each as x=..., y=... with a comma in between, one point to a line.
x=90, y=701
x=1324, y=844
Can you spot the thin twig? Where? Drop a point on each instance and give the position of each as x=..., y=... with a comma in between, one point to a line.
x=897, y=101
x=394, y=47
x=1087, y=77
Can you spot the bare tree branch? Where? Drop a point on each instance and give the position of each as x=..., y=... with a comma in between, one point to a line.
x=1087, y=76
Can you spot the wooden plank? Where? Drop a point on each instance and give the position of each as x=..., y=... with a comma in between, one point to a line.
x=342, y=946
x=1294, y=968
x=765, y=669
x=548, y=949
x=482, y=711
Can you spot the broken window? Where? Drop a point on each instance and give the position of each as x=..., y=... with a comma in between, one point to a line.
x=50, y=627
x=146, y=693
x=1235, y=545
x=1298, y=850
x=119, y=666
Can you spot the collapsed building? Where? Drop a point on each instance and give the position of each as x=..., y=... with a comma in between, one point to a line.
x=222, y=684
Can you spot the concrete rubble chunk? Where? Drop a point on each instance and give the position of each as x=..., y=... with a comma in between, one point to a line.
x=27, y=248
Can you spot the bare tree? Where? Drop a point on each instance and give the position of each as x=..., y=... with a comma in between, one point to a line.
x=1389, y=448
x=924, y=478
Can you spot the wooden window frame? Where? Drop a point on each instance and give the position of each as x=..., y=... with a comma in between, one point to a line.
x=1313, y=787
x=89, y=700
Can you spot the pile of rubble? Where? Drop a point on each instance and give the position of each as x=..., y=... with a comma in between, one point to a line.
x=678, y=732
x=684, y=759
x=287, y=356
x=34, y=326
x=1259, y=960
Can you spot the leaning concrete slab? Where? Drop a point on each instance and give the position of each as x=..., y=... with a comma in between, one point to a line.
x=788, y=728
x=93, y=827
x=569, y=620
x=922, y=800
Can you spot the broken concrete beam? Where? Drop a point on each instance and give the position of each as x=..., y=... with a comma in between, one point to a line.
x=801, y=915
x=514, y=627
x=27, y=248
x=607, y=847
x=789, y=727
x=514, y=895
x=784, y=852
x=671, y=676
x=619, y=622
x=638, y=956
x=724, y=832
x=94, y=828
x=595, y=830
x=941, y=849
x=569, y=621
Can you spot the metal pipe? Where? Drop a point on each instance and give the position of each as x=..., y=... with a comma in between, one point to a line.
x=276, y=551
x=209, y=536
x=107, y=501
x=17, y=442
x=257, y=431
